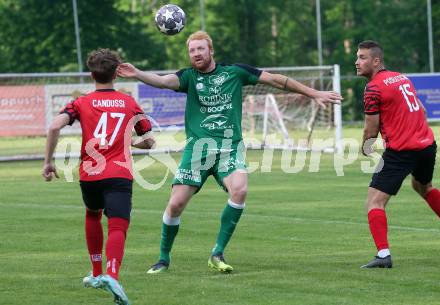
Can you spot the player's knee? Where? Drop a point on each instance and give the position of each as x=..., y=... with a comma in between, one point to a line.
x=238, y=194
x=376, y=199
x=415, y=185
x=175, y=207
x=369, y=205
x=421, y=189
x=375, y=203
x=93, y=213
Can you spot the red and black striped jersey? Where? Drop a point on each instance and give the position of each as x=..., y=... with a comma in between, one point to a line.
x=403, y=124
x=107, y=118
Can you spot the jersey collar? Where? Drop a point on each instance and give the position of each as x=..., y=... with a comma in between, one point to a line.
x=105, y=90
x=206, y=73
x=377, y=73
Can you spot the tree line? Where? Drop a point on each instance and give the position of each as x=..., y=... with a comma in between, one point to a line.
x=39, y=36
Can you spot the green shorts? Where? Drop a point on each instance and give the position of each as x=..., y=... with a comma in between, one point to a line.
x=198, y=163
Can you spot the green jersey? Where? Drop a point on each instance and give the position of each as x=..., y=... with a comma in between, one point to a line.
x=214, y=100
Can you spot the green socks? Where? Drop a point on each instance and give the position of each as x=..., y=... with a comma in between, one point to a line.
x=170, y=227
x=229, y=219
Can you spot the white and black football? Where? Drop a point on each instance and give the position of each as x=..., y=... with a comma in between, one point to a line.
x=170, y=19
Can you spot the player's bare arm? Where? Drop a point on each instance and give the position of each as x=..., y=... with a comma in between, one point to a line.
x=168, y=81
x=285, y=83
x=146, y=141
x=53, y=134
x=371, y=131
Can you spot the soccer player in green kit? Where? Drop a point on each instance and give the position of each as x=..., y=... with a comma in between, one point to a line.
x=214, y=139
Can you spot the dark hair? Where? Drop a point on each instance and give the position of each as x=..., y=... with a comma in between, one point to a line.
x=375, y=47
x=103, y=63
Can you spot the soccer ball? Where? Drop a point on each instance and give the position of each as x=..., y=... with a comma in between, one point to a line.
x=170, y=19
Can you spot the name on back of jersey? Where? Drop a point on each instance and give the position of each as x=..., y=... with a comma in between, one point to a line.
x=394, y=79
x=108, y=103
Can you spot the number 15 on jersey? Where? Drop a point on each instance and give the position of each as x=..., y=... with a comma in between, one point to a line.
x=413, y=106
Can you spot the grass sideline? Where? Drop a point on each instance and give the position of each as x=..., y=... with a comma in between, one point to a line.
x=301, y=240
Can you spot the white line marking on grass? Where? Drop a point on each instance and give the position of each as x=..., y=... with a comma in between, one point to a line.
x=343, y=222
x=286, y=218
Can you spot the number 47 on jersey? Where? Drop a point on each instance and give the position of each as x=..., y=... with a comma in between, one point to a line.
x=101, y=128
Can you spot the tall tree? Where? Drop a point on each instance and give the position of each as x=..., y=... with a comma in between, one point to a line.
x=39, y=36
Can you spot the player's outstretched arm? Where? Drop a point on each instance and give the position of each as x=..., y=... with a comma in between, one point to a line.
x=285, y=83
x=169, y=81
x=49, y=170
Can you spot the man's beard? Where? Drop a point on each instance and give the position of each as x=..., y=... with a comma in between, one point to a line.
x=204, y=65
x=364, y=73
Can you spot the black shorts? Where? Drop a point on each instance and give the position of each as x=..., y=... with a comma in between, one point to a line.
x=112, y=195
x=399, y=164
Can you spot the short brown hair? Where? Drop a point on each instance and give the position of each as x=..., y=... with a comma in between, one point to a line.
x=103, y=63
x=200, y=35
x=375, y=47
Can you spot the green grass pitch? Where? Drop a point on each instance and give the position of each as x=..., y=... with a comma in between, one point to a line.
x=301, y=240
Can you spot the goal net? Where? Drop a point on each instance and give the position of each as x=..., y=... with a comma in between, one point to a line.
x=281, y=119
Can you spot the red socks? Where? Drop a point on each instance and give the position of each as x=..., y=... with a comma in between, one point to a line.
x=114, y=248
x=377, y=220
x=433, y=199
x=94, y=239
